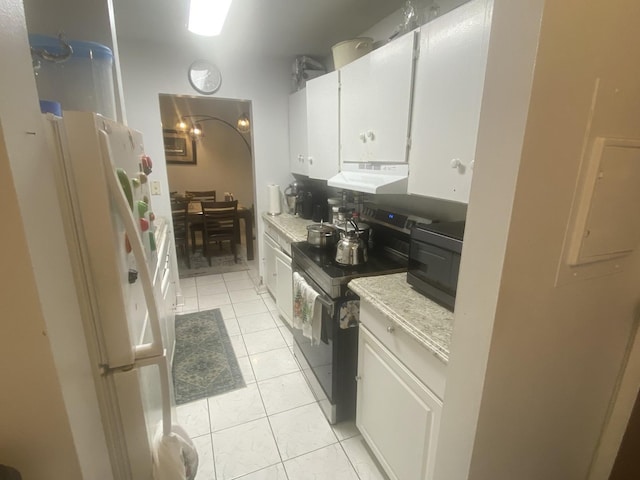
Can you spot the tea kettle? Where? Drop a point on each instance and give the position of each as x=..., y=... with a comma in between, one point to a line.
x=351, y=249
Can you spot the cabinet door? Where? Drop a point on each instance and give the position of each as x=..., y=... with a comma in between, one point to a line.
x=448, y=93
x=354, y=110
x=322, y=126
x=391, y=82
x=270, y=273
x=406, y=406
x=375, y=104
x=284, y=289
x=298, y=132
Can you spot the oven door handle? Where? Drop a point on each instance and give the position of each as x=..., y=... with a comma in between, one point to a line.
x=327, y=303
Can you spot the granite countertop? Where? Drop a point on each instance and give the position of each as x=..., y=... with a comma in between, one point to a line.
x=294, y=228
x=425, y=320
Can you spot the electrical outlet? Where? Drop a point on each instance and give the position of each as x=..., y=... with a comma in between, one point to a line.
x=155, y=187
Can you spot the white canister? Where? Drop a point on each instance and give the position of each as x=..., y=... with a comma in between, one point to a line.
x=350, y=50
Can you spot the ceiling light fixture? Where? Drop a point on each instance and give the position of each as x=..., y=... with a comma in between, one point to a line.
x=206, y=17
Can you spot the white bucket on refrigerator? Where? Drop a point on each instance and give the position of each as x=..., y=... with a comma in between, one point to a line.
x=350, y=50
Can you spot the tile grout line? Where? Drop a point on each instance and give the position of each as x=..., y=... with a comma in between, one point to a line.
x=266, y=414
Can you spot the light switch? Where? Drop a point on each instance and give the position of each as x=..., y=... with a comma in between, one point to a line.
x=155, y=187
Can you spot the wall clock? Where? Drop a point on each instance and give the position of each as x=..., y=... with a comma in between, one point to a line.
x=204, y=77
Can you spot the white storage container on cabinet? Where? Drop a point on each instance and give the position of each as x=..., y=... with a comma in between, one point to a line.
x=298, y=161
x=448, y=90
x=322, y=126
x=375, y=103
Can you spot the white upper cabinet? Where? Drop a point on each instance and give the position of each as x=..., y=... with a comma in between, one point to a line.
x=375, y=103
x=322, y=126
x=448, y=92
x=298, y=161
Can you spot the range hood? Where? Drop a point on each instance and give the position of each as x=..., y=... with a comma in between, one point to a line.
x=372, y=178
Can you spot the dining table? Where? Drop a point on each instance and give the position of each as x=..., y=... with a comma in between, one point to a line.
x=244, y=213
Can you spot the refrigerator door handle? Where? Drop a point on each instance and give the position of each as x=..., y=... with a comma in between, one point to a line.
x=154, y=352
x=156, y=347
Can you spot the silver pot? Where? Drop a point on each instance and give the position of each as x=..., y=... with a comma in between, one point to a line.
x=351, y=249
x=321, y=235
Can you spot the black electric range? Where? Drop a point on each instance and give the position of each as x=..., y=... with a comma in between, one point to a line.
x=332, y=277
x=330, y=366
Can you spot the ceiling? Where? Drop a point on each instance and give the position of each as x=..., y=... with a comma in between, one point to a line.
x=266, y=27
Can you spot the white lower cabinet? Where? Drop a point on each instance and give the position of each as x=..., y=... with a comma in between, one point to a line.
x=270, y=275
x=278, y=276
x=284, y=288
x=396, y=413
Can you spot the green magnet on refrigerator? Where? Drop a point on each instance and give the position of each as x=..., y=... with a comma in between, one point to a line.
x=152, y=241
x=125, y=185
x=143, y=208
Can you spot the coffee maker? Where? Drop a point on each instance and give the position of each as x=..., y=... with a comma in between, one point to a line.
x=291, y=197
x=311, y=204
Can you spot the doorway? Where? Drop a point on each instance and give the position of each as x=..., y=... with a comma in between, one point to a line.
x=208, y=147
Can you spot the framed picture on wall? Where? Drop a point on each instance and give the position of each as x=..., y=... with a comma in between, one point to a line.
x=179, y=148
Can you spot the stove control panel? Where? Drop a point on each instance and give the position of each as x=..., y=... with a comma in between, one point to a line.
x=390, y=218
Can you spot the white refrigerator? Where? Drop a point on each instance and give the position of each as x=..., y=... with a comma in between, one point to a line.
x=125, y=283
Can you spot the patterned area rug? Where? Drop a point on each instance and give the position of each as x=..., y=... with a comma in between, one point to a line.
x=221, y=262
x=204, y=363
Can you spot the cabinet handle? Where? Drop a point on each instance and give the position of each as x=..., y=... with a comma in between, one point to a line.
x=370, y=135
x=310, y=160
x=363, y=137
x=391, y=329
x=457, y=164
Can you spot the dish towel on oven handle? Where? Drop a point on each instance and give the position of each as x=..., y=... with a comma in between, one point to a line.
x=305, y=316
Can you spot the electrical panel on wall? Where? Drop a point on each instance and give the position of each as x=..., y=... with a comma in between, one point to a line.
x=605, y=225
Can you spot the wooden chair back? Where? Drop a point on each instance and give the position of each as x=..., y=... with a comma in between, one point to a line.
x=180, y=217
x=201, y=196
x=220, y=224
x=220, y=219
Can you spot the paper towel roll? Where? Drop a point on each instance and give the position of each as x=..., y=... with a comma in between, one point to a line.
x=274, y=199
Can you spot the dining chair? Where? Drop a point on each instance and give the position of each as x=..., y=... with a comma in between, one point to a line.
x=196, y=225
x=220, y=224
x=180, y=216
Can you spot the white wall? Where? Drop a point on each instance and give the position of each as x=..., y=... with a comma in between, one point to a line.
x=86, y=20
x=534, y=365
x=151, y=69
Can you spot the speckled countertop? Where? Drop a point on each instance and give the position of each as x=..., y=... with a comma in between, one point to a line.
x=426, y=321
x=294, y=228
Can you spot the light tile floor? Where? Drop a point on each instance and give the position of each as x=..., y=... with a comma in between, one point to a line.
x=272, y=429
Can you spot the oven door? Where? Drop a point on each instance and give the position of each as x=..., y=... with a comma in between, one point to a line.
x=317, y=361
